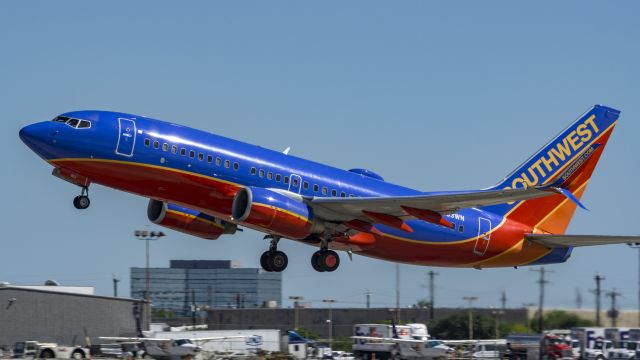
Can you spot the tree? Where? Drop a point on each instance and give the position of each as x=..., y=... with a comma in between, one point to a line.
x=422, y=304
x=559, y=319
x=457, y=327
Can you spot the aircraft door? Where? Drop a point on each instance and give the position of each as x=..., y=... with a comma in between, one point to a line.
x=126, y=137
x=484, y=236
x=295, y=183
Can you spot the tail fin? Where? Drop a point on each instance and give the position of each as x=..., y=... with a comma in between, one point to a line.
x=567, y=161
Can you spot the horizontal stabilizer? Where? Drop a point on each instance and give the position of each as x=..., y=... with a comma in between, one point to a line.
x=563, y=241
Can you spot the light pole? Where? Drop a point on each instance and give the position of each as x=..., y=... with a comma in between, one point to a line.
x=528, y=305
x=470, y=299
x=637, y=246
x=295, y=310
x=496, y=316
x=146, y=236
x=330, y=321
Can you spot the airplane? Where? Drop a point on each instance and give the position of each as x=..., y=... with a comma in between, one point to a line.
x=169, y=349
x=207, y=185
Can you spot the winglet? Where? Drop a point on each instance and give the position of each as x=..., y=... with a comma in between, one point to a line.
x=569, y=195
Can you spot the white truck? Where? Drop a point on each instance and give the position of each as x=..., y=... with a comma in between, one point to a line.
x=40, y=350
x=587, y=337
x=600, y=350
x=378, y=341
x=628, y=348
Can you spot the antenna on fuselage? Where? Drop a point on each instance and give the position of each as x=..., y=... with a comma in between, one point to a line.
x=286, y=151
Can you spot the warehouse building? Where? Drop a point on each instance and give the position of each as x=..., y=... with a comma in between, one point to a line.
x=207, y=284
x=66, y=318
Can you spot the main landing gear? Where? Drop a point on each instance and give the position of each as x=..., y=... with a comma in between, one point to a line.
x=82, y=201
x=273, y=260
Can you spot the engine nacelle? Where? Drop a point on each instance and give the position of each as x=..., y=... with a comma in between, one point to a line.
x=275, y=213
x=188, y=221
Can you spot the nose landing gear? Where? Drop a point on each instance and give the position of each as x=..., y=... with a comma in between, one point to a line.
x=82, y=201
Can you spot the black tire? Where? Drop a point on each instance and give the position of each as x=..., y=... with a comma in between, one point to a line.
x=77, y=355
x=47, y=354
x=277, y=261
x=263, y=261
x=315, y=263
x=329, y=260
x=81, y=202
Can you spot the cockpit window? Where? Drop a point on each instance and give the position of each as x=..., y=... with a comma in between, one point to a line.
x=74, y=123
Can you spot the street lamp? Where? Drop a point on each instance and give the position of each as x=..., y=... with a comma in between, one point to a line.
x=330, y=321
x=496, y=316
x=637, y=246
x=146, y=236
x=295, y=310
x=470, y=299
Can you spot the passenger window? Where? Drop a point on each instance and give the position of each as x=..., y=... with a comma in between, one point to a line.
x=295, y=182
x=174, y=149
x=183, y=152
x=343, y=194
x=270, y=175
x=305, y=185
x=209, y=159
x=156, y=144
x=278, y=177
x=316, y=187
x=461, y=228
x=200, y=156
x=261, y=173
x=453, y=226
x=286, y=179
x=147, y=142
x=218, y=161
x=253, y=171
x=165, y=147
x=325, y=191
x=236, y=166
x=227, y=163
x=334, y=192
x=192, y=154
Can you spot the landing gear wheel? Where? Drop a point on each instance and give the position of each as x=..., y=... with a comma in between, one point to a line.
x=277, y=261
x=314, y=262
x=329, y=260
x=263, y=261
x=325, y=260
x=81, y=202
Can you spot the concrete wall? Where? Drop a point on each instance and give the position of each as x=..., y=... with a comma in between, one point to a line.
x=316, y=319
x=63, y=318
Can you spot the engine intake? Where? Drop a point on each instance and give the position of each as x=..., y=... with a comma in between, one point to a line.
x=188, y=221
x=275, y=213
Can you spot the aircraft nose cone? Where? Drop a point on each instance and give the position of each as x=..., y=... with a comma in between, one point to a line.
x=35, y=135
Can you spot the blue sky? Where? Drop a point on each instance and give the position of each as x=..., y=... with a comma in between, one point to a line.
x=431, y=95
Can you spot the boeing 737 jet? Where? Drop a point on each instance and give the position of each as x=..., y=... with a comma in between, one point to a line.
x=207, y=185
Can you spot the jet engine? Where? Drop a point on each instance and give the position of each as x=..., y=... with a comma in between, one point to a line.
x=188, y=221
x=275, y=213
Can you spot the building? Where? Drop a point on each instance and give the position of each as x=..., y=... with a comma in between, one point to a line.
x=209, y=284
x=65, y=318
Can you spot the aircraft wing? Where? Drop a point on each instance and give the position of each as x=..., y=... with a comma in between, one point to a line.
x=134, y=339
x=563, y=241
x=345, y=209
x=214, y=338
x=379, y=339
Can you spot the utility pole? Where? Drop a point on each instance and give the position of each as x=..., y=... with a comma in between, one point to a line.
x=542, y=282
x=368, y=294
x=578, y=299
x=613, y=312
x=470, y=299
x=330, y=320
x=637, y=246
x=432, y=292
x=296, y=305
x=503, y=300
x=115, y=285
x=598, y=292
x=398, y=292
